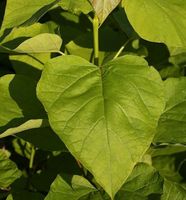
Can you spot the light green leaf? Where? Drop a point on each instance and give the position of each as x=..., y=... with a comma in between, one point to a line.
x=41, y=43
x=75, y=6
x=103, y=8
x=30, y=124
x=8, y=170
x=172, y=191
x=18, y=11
x=172, y=124
x=69, y=187
x=106, y=129
x=158, y=21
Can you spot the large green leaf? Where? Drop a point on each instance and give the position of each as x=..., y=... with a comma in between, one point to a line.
x=107, y=120
x=103, y=8
x=8, y=170
x=172, y=191
x=18, y=11
x=143, y=181
x=158, y=21
x=75, y=6
x=69, y=187
x=41, y=43
x=172, y=124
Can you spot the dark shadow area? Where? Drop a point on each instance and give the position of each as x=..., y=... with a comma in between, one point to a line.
x=43, y=138
x=158, y=54
x=2, y=10
x=26, y=69
x=64, y=163
x=15, y=42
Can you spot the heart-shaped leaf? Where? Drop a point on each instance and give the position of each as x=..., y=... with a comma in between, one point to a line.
x=106, y=117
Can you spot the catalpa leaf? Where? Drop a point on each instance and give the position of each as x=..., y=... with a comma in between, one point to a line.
x=69, y=187
x=76, y=7
x=158, y=21
x=41, y=43
x=143, y=181
x=107, y=119
x=172, y=191
x=172, y=124
x=19, y=11
x=103, y=8
x=30, y=124
x=8, y=170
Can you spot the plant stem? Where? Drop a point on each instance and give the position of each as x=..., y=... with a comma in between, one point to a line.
x=122, y=48
x=33, y=151
x=96, y=40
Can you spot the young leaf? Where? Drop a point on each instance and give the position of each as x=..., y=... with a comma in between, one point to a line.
x=8, y=170
x=158, y=21
x=69, y=187
x=103, y=8
x=106, y=120
x=18, y=11
x=41, y=43
x=172, y=124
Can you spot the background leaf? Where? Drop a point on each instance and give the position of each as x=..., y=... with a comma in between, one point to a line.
x=172, y=127
x=69, y=187
x=8, y=170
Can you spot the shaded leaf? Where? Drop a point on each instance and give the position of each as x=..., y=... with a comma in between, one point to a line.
x=172, y=191
x=108, y=131
x=8, y=170
x=172, y=124
x=143, y=181
x=17, y=99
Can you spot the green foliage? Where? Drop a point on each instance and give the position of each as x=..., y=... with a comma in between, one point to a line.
x=92, y=97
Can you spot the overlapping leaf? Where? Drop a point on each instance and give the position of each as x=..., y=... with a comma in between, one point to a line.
x=158, y=21
x=103, y=8
x=8, y=170
x=69, y=187
x=19, y=11
x=107, y=120
x=172, y=124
